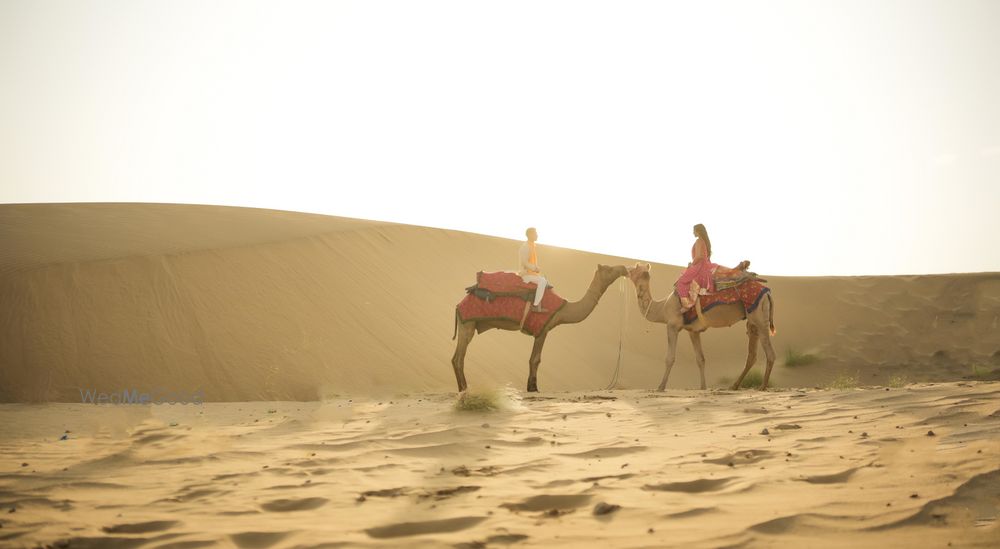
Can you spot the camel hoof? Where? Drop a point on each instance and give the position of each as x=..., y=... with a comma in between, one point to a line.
x=661, y=388
x=734, y=387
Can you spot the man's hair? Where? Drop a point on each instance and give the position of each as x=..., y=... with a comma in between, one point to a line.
x=528, y=231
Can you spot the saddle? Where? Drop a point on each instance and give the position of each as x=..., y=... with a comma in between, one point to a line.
x=492, y=285
x=726, y=282
x=725, y=278
x=505, y=296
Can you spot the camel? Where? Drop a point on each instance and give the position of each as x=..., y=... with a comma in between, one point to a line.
x=760, y=325
x=571, y=313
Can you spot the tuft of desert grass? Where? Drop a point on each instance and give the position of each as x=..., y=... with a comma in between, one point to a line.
x=898, y=381
x=794, y=358
x=982, y=372
x=752, y=379
x=844, y=381
x=481, y=401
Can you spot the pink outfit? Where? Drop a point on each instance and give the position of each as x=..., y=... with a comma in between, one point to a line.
x=699, y=271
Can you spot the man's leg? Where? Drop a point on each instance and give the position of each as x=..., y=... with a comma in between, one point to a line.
x=540, y=290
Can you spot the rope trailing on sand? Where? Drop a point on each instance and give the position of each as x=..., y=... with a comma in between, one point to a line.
x=622, y=320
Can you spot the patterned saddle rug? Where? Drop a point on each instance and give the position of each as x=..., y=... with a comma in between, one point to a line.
x=502, y=283
x=725, y=278
x=748, y=292
x=503, y=296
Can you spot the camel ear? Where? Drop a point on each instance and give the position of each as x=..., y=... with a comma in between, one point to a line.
x=648, y=266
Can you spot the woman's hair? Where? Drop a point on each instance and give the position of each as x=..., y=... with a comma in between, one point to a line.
x=702, y=233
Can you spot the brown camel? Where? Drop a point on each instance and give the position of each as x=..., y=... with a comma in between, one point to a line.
x=571, y=313
x=760, y=325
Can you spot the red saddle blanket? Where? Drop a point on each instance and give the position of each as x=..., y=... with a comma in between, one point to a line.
x=510, y=306
x=749, y=293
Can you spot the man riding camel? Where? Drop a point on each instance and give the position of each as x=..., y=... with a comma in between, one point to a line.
x=529, y=270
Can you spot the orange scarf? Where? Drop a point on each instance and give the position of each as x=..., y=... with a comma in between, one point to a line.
x=532, y=256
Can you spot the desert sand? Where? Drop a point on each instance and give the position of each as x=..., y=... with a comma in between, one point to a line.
x=685, y=468
x=321, y=348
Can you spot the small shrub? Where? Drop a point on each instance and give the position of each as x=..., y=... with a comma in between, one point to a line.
x=486, y=401
x=898, y=381
x=794, y=358
x=752, y=379
x=984, y=373
x=844, y=381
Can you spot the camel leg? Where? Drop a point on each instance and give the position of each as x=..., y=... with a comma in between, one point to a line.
x=671, y=355
x=534, y=361
x=751, y=353
x=699, y=355
x=466, y=330
x=763, y=327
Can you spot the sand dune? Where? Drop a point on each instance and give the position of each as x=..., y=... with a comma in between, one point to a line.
x=613, y=469
x=321, y=347
x=247, y=304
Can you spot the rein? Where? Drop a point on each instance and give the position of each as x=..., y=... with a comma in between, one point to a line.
x=622, y=320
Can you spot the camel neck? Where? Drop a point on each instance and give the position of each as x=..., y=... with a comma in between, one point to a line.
x=645, y=298
x=578, y=311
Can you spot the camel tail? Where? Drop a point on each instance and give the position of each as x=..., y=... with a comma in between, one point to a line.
x=770, y=314
x=454, y=335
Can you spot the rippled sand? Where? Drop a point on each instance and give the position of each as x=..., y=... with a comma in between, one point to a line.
x=689, y=468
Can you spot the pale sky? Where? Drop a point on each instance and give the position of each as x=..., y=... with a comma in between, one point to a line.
x=813, y=138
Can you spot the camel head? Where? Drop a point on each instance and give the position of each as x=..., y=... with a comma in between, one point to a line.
x=610, y=273
x=639, y=272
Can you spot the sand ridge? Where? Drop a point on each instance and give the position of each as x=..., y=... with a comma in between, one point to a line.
x=247, y=304
x=320, y=351
x=872, y=467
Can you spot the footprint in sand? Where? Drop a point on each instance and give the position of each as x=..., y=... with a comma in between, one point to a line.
x=835, y=478
x=256, y=540
x=610, y=452
x=498, y=539
x=444, y=493
x=404, y=529
x=140, y=527
x=799, y=522
x=287, y=505
x=741, y=457
x=692, y=512
x=548, y=502
x=691, y=486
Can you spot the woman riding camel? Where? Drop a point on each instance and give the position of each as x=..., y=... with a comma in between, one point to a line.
x=699, y=277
